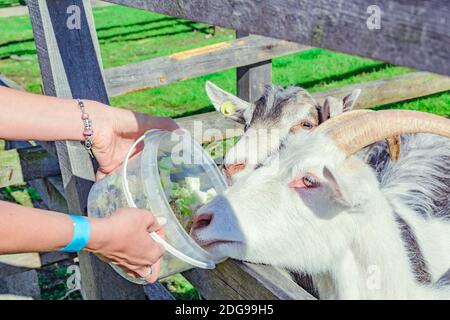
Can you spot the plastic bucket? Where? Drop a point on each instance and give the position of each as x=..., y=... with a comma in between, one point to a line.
x=150, y=180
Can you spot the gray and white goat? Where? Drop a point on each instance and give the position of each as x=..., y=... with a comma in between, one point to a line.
x=363, y=233
x=268, y=121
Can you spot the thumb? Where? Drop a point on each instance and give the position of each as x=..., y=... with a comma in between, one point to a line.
x=157, y=225
x=99, y=175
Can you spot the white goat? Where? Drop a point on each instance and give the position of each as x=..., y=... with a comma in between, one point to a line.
x=322, y=211
x=269, y=120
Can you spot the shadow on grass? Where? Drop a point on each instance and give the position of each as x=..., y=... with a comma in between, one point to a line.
x=142, y=23
x=9, y=43
x=343, y=76
x=110, y=38
x=195, y=112
x=401, y=104
x=18, y=53
x=189, y=24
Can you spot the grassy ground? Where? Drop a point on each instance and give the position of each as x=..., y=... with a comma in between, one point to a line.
x=129, y=35
x=8, y=3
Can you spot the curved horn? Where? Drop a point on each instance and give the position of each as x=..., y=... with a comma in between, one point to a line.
x=330, y=123
x=361, y=131
x=393, y=142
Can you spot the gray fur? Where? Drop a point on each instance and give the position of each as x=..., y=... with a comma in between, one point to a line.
x=415, y=255
x=420, y=177
x=270, y=108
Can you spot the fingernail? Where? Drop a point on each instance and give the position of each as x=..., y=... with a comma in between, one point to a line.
x=162, y=221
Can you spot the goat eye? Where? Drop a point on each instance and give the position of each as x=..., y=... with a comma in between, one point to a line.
x=307, y=125
x=310, y=181
x=304, y=125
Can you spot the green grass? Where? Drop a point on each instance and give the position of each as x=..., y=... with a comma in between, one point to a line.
x=128, y=35
x=180, y=288
x=8, y=3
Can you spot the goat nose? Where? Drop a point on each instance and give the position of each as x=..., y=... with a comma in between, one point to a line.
x=231, y=169
x=202, y=220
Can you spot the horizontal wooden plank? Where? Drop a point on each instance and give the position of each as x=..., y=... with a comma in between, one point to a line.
x=17, y=263
x=51, y=257
x=381, y=92
x=236, y=280
x=214, y=126
x=194, y=63
x=156, y=291
x=20, y=286
x=19, y=165
x=4, y=81
x=412, y=33
x=210, y=126
x=50, y=189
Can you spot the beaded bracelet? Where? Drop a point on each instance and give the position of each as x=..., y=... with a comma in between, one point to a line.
x=87, y=132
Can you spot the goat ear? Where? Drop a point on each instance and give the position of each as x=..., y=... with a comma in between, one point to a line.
x=331, y=107
x=338, y=189
x=342, y=189
x=350, y=100
x=228, y=104
x=324, y=111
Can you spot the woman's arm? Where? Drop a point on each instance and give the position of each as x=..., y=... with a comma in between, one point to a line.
x=25, y=229
x=122, y=238
x=27, y=116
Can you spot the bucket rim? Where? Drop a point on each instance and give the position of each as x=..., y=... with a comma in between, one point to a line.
x=151, y=160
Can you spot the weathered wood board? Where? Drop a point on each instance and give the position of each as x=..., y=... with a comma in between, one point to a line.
x=22, y=262
x=253, y=77
x=201, y=61
x=19, y=165
x=5, y=82
x=20, y=286
x=411, y=33
x=236, y=280
x=16, y=263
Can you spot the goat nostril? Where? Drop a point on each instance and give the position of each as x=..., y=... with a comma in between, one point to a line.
x=201, y=221
x=233, y=168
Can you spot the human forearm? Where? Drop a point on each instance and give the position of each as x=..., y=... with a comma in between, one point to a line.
x=26, y=116
x=121, y=238
x=25, y=229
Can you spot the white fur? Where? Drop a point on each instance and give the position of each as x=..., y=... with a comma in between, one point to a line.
x=265, y=133
x=343, y=232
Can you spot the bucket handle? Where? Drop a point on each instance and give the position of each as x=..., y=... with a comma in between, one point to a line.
x=154, y=235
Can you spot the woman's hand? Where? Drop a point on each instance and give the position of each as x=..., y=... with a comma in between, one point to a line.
x=123, y=239
x=115, y=130
x=27, y=116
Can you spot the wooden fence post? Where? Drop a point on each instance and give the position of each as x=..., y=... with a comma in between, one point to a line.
x=69, y=60
x=251, y=79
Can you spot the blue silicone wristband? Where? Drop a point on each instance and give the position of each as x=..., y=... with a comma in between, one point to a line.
x=81, y=234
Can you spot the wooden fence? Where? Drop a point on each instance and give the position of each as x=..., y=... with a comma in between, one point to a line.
x=71, y=67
